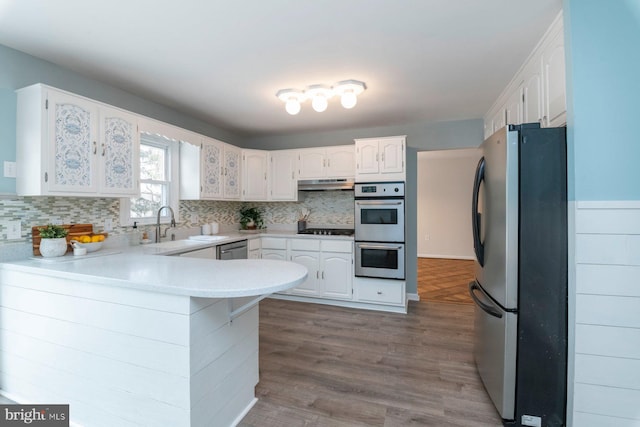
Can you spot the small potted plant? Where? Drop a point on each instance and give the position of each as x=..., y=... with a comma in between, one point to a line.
x=251, y=219
x=53, y=241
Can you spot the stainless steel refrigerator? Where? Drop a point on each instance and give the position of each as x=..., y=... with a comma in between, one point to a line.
x=519, y=222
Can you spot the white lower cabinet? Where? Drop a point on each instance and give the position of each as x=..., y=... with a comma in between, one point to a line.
x=331, y=277
x=311, y=260
x=379, y=291
x=274, y=248
x=330, y=264
x=254, y=247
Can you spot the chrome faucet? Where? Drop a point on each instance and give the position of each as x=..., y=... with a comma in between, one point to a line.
x=173, y=223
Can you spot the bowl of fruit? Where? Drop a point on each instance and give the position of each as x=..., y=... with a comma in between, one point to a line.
x=90, y=243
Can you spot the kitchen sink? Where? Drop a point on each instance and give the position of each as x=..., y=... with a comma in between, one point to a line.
x=171, y=244
x=204, y=238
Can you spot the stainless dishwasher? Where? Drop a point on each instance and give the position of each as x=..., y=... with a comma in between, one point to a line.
x=235, y=250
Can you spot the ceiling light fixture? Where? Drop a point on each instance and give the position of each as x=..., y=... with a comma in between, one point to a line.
x=319, y=94
x=348, y=91
x=292, y=99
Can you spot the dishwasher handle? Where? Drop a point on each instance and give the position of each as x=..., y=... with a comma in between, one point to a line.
x=234, y=250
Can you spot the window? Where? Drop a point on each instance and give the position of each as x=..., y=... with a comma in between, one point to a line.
x=158, y=182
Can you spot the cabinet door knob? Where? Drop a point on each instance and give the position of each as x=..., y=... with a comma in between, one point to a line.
x=379, y=292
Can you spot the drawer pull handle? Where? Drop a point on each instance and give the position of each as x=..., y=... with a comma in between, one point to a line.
x=379, y=292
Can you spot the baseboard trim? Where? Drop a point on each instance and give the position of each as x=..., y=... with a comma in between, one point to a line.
x=343, y=303
x=244, y=412
x=413, y=297
x=446, y=256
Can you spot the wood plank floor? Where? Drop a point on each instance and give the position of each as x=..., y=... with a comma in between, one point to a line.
x=339, y=367
x=445, y=280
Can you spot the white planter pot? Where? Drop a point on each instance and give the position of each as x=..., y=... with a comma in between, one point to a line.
x=53, y=247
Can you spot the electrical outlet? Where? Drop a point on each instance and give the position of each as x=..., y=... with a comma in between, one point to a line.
x=108, y=225
x=427, y=237
x=14, y=230
x=55, y=221
x=195, y=219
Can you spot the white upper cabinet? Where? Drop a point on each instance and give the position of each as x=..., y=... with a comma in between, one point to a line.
x=311, y=163
x=553, y=68
x=201, y=169
x=254, y=177
x=380, y=159
x=514, y=107
x=283, y=184
x=538, y=90
x=119, y=153
x=231, y=172
x=211, y=174
x=341, y=161
x=68, y=145
x=532, y=92
x=326, y=162
x=72, y=136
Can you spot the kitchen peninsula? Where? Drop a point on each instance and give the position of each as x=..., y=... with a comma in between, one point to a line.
x=133, y=339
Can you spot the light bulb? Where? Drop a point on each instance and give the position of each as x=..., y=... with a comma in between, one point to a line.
x=292, y=106
x=319, y=103
x=349, y=99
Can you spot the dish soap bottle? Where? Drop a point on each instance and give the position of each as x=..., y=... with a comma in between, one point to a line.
x=135, y=236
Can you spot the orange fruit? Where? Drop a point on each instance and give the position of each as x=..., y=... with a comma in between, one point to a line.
x=95, y=238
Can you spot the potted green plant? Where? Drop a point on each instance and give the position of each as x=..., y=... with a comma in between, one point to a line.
x=53, y=240
x=251, y=218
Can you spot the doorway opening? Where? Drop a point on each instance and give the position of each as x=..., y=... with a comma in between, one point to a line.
x=445, y=243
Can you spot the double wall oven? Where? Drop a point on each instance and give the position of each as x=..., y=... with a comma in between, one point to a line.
x=379, y=230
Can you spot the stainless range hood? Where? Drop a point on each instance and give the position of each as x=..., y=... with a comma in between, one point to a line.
x=326, y=184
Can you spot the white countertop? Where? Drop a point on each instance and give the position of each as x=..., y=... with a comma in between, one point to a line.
x=141, y=267
x=173, y=275
x=179, y=246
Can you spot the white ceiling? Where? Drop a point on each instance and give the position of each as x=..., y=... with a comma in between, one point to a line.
x=223, y=61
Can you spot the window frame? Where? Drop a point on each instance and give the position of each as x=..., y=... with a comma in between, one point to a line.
x=161, y=133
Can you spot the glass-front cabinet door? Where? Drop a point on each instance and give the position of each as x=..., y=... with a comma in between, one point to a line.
x=118, y=153
x=73, y=144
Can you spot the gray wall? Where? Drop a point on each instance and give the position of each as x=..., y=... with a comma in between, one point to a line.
x=421, y=136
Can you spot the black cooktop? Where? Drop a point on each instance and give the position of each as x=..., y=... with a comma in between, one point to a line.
x=328, y=231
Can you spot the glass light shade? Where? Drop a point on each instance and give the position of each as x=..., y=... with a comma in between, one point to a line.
x=319, y=103
x=292, y=106
x=349, y=99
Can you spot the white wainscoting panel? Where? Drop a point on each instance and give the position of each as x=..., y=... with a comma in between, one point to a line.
x=123, y=357
x=607, y=314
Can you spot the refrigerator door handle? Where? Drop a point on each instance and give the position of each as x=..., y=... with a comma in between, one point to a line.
x=487, y=308
x=478, y=246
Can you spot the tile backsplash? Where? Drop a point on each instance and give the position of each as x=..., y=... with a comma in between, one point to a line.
x=326, y=207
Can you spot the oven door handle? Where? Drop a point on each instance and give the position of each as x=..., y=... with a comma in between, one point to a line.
x=378, y=247
x=361, y=202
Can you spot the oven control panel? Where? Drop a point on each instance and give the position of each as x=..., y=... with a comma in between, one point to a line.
x=379, y=189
